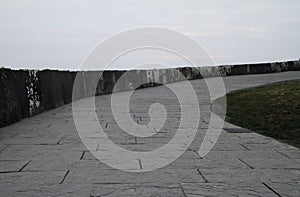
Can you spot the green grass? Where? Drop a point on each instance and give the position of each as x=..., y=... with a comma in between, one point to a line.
x=272, y=110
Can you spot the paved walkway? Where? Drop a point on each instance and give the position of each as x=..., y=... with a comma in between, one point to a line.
x=44, y=156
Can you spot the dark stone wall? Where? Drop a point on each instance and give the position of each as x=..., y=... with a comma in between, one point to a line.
x=13, y=100
x=25, y=93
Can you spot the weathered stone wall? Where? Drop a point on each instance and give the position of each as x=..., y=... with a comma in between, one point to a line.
x=25, y=93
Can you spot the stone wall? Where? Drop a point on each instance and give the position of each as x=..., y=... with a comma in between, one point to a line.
x=25, y=93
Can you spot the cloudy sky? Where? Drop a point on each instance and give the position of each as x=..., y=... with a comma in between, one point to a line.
x=58, y=34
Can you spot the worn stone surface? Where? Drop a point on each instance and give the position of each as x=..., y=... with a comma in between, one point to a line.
x=43, y=154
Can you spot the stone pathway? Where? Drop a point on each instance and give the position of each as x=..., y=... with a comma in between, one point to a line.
x=44, y=156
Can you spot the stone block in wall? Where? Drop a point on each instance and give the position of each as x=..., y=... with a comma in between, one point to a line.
x=51, y=88
x=136, y=78
x=259, y=68
x=34, y=93
x=152, y=78
x=183, y=73
x=67, y=80
x=142, y=77
x=92, y=79
x=170, y=75
x=206, y=72
x=130, y=80
x=276, y=67
x=144, y=74
x=196, y=73
x=238, y=70
x=155, y=76
x=100, y=85
x=297, y=65
x=122, y=82
x=109, y=80
x=79, y=86
x=162, y=76
x=14, y=102
x=224, y=70
x=293, y=65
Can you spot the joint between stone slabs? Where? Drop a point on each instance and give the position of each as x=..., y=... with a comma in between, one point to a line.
x=279, y=168
x=245, y=147
x=81, y=157
x=24, y=166
x=200, y=173
x=197, y=154
x=140, y=164
x=270, y=188
x=204, y=121
x=98, y=146
x=7, y=172
x=3, y=148
x=183, y=192
x=65, y=176
x=277, y=152
x=245, y=163
x=135, y=140
x=58, y=142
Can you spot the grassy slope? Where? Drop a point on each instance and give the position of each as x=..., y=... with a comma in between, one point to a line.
x=272, y=110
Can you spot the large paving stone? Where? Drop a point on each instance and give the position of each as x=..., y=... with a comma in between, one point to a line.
x=250, y=175
x=92, y=174
x=136, y=190
x=224, y=189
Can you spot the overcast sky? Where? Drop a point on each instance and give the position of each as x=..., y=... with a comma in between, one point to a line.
x=60, y=33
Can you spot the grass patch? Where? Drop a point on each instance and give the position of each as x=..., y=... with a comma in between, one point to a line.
x=271, y=110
